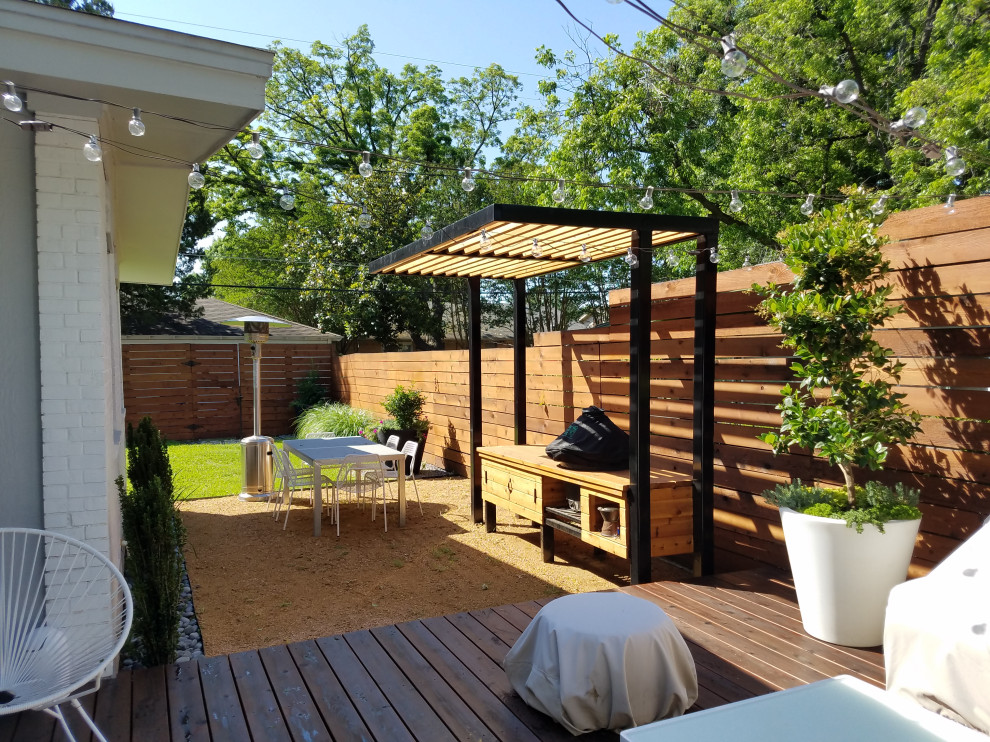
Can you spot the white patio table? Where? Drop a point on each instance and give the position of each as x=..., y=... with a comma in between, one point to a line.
x=320, y=452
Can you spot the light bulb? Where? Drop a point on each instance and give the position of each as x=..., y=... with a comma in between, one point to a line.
x=713, y=256
x=196, y=179
x=735, y=205
x=733, y=60
x=631, y=260
x=808, y=207
x=93, y=150
x=846, y=91
x=646, y=202
x=427, y=231
x=11, y=100
x=950, y=203
x=746, y=264
x=364, y=221
x=915, y=117
x=954, y=164
x=468, y=183
x=880, y=205
x=537, y=250
x=559, y=193
x=254, y=149
x=585, y=258
x=136, y=126
x=485, y=240
x=288, y=201
x=365, y=169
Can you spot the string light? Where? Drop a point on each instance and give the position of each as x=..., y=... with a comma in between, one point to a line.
x=427, y=231
x=559, y=193
x=646, y=202
x=364, y=169
x=585, y=258
x=733, y=61
x=468, y=183
x=484, y=240
x=880, y=205
x=630, y=257
x=954, y=164
x=713, y=256
x=254, y=149
x=195, y=178
x=950, y=203
x=92, y=150
x=287, y=201
x=808, y=207
x=11, y=100
x=915, y=118
x=746, y=264
x=364, y=221
x=845, y=92
x=136, y=126
x=735, y=205
x=537, y=251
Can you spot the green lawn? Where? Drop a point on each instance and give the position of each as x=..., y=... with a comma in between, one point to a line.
x=206, y=469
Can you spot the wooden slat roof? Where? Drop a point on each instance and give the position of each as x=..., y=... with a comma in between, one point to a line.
x=456, y=250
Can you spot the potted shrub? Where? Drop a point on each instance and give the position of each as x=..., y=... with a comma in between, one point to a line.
x=405, y=406
x=848, y=546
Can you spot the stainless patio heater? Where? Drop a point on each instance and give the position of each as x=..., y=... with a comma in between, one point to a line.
x=256, y=449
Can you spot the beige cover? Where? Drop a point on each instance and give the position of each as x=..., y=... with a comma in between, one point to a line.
x=603, y=661
x=937, y=636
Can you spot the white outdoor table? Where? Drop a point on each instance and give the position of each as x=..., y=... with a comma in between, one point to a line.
x=320, y=452
x=840, y=708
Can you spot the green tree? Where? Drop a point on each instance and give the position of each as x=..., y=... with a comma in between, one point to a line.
x=93, y=7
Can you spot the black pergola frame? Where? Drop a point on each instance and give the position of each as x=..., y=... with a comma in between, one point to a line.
x=449, y=245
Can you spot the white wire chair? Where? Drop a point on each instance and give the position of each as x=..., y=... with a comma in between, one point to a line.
x=65, y=612
x=393, y=442
x=293, y=478
x=357, y=475
x=391, y=472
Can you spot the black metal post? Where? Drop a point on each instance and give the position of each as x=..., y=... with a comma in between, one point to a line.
x=706, y=291
x=519, y=359
x=638, y=501
x=474, y=392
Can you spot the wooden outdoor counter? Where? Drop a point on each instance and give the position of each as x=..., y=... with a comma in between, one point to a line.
x=527, y=481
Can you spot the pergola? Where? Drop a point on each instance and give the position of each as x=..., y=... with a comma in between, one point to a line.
x=518, y=242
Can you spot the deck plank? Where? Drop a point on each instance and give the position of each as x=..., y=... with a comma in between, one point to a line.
x=339, y=714
x=113, y=707
x=258, y=699
x=302, y=717
x=223, y=706
x=377, y=713
x=149, y=705
x=187, y=709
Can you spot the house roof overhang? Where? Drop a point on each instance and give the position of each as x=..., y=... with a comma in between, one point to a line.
x=456, y=250
x=91, y=58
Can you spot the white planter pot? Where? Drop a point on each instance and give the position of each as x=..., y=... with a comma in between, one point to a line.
x=843, y=577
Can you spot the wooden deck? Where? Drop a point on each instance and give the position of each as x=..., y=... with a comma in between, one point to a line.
x=441, y=678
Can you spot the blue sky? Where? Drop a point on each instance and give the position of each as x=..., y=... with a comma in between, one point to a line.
x=457, y=34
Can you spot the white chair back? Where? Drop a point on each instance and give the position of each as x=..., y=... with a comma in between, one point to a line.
x=393, y=441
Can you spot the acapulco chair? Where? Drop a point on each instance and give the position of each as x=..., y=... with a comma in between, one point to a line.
x=65, y=612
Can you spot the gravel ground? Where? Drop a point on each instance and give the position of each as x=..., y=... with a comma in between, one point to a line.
x=256, y=584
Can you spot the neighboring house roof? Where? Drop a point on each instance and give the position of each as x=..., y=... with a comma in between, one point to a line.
x=207, y=90
x=211, y=327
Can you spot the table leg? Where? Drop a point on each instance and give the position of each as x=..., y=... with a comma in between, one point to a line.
x=400, y=466
x=489, y=517
x=317, y=498
x=546, y=541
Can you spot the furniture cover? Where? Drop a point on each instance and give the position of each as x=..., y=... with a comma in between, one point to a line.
x=602, y=661
x=937, y=636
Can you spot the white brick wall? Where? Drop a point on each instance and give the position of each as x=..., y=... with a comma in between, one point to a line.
x=77, y=303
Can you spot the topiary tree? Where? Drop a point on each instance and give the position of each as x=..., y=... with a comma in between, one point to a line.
x=844, y=406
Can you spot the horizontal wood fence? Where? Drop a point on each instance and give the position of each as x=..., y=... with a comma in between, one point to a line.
x=941, y=273
x=194, y=391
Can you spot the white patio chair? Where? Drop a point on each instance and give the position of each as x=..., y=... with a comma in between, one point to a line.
x=391, y=472
x=359, y=475
x=325, y=434
x=65, y=612
x=393, y=442
x=294, y=478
